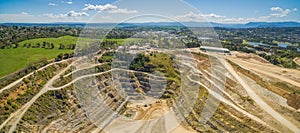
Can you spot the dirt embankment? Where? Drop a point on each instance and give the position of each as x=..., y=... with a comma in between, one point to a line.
x=251, y=57
x=297, y=61
x=279, y=87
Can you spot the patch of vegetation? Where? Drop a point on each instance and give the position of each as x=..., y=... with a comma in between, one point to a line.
x=63, y=42
x=155, y=61
x=283, y=58
x=97, y=69
x=12, y=35
x=50, y=106
x=159, y=62
x=29, y=51
x=107, y=57
x=12, y=99
x=16, y=59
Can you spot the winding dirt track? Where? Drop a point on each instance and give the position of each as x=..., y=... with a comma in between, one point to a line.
x=24, y=108
x=16, y=116
x=19, y=80
x=263, y=105
x=258, y=68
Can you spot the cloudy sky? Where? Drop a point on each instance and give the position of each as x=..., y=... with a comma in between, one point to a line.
x=222, y=11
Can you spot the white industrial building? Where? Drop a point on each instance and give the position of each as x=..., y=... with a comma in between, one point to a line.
x=214, y=49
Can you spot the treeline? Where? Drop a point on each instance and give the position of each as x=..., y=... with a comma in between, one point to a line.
x=11, y=35
x=45, y=45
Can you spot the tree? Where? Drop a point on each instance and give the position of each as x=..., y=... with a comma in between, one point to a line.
x=66, y=56
x=52, y=46
x=61, y=46
x=44, y=45
x=38, y=45
x=59, y=57
x=29, y=45
x=16, y=45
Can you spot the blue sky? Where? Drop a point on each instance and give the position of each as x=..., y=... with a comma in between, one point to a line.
x=222, y=11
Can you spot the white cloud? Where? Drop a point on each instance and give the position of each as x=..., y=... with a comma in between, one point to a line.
x=109, y=8
x=52, y=4
x=76, y=14
x=122, y=11
x=295, y=9
x=66, y=15
x=99, y=7
x=280, y=12
x=24, y=13
x=212, y=17
x=65, y=2
x=191, y=16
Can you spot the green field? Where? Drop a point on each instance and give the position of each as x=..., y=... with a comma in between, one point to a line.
x=71, y=40
x=14, y=59
x=56, y=41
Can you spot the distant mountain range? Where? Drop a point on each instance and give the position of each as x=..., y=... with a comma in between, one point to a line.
x=149, y=24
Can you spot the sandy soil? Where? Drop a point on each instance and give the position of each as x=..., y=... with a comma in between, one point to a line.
x=297, y=61
x=258, y=64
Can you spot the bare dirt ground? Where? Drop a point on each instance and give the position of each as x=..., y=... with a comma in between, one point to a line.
x=287, y=81
x=151, y=118
x=260, y=65
x=266, y=71
x=297, y=61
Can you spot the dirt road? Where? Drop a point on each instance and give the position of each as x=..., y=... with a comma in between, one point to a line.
x=264, y=69
x=260, y=101
x=24, y=108
x=19, y=80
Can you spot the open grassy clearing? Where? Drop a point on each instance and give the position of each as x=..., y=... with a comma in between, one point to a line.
x=66, y=40
x=14, y=59
x=56, y=41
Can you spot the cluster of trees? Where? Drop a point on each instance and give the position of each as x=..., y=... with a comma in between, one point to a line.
x=64, y=56
x=139, y=62
x=45, y=45
x=70, y=46
x=238, y=47
x=11, y=35
x=277, y=60
x=107, y=57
